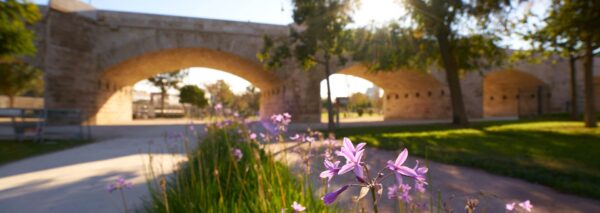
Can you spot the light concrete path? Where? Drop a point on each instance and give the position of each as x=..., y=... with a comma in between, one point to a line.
x=75, y=180
x=455, y=183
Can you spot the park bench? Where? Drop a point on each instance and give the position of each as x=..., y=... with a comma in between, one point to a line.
x=41, y=124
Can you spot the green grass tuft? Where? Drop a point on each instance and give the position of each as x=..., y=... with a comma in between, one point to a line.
x=213, y=181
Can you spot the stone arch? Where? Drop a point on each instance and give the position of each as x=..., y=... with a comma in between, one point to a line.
x=408, y=94
x=114, y=97
x=513, y=93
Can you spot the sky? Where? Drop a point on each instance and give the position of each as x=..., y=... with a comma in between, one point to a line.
x=260, y=11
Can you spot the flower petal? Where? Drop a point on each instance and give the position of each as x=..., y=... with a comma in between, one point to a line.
x=348, y=145
x=346, y=168
x=403, y=170
x=360, y=146
x=401, y=157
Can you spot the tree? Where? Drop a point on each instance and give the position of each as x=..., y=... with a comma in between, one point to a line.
x=17, y=78
x=455, y=35
x=193, y=95
x=249, y=102
x=358, y=102
x=319, y=39
x=15, y=38
x=572, y=30
x=220, y=92
x=166, y=81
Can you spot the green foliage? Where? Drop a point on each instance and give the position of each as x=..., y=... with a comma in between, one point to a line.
x=319, y=35
x=393, y=47
x=166, y=81
x=248, y=104
x=220, y=92
x=559, y=154
x=319, y=38
x=359, y=101
x=15, y=38
x=192, y=94
x=214, y=181
x=18, y=78
x=563, y=30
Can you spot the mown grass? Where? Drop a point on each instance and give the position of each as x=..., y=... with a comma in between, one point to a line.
x=12, y=150
x=561, y=154
x=214, y=181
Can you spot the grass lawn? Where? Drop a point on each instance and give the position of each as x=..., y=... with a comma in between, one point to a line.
x=11, y=150
x=561, y=154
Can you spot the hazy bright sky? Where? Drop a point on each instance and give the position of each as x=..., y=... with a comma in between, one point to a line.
x=261, y=11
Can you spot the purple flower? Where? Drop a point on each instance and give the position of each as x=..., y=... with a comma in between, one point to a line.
x=420, y=178
x=252, y=136
x=295, y=137
x=353, y=158
x=401, y=191
x=526, y=205
x=237, y=153
x=331, y=169
x=281, y=121
x=399, y=169
x=119, y=184
x=511, y=206
x=297, y=207
x=329, y=198
x=218, y=107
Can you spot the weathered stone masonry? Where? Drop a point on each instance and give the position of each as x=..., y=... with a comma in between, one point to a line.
x=92, y=58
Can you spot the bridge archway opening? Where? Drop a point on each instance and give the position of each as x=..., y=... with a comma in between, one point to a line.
x=407, y=94
x=360, y=100
x=234, y=93
x=114, y=99
x=513, y=93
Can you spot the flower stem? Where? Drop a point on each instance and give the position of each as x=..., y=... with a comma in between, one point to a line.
x=124, y=202
x=374, y=199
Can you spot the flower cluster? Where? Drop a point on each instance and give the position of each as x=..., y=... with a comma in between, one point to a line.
x=281, y=121
x=354, y=162
x=237, y=154
x=119, y=184
x=525, y=205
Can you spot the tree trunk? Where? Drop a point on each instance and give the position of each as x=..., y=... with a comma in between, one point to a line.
x=11, y=101
x=330, y=123
x=588, y=65
x=459, y=115
x=573, y=73
x=162, y=102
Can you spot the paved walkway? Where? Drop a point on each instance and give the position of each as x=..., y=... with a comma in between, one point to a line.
x=74, y=180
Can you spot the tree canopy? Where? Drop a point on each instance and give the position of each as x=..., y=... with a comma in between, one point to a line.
x=454, y=35
x=192, y=94
x=320, y=37
x=17, y=78
x=15, y=38
x=166, y=81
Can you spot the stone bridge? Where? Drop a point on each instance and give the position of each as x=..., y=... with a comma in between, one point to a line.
x=92, y=58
